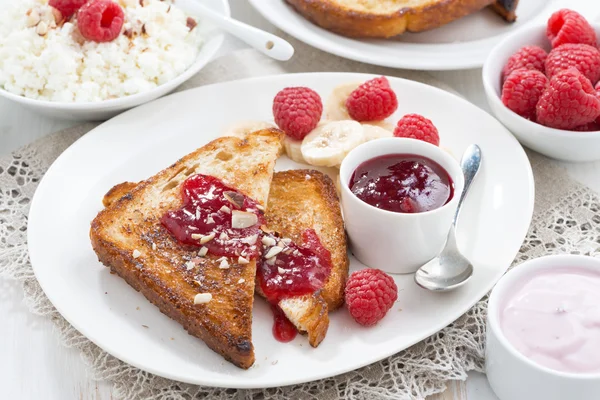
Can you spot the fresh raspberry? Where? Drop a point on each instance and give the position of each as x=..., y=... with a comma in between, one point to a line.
x=374, y=100
x=584, y=57
x=370, y=293
x=416, y=126
x=522, y=90
x=568, y=102
x=297, y=111
x=568, y=26
x=67, y=7
x=100, y=20
x=528, y=57
x=591, y=127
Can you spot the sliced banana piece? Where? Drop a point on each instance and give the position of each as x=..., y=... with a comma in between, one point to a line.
x=375, y=132
x=243, y=128
x=293, y=149
x=328, y=144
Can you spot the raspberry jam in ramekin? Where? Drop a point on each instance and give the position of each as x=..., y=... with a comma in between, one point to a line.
x=404, y=183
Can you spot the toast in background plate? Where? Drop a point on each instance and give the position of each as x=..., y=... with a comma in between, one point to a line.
x=385, y=18
x=129, y=238
x=301, y=200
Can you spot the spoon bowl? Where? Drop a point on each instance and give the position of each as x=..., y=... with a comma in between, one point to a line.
x=451, y=269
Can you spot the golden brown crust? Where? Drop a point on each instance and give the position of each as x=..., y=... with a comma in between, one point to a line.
x=507, y=9
x=303, y=199
x=334, y=16
x=131, y=224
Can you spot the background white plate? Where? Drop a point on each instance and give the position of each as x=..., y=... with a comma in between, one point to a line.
x=462, y=44
x=142, y=141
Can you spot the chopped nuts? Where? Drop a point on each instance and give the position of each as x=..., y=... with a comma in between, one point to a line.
x=250, y=239
x=235, y=198
x=242, y=280
x=286, y=241
x=242, y=260
x=273, y=251
x=260, y=207
x=281, y=270
x=243, y=219
x=210, y=220
x=223, y=236
x=225, y=209
x=42, y=28
x=136, y=253
x=153, y=246
x=224, y=264
x=190, y=265
x=268, y=241
x=203, y=251
x=197, y=236
x=207, y=238
x=202, y=298
x=58, y=17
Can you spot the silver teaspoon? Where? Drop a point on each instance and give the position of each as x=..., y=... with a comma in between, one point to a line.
x=451, y=269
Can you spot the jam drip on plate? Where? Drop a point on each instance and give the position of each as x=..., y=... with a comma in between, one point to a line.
x=217, y=217
x=289, y=270
x=402, y=183
x=283, y=330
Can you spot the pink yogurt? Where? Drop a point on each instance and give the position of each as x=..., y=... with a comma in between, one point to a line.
x=553, y=318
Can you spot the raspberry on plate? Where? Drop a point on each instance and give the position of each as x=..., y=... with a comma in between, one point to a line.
x=522, y=90
x=568, y=26
x=416, y=126
x=369, y=295
x=528, y=57
x=568, y=102
x=100, y=20
x=297, y=111
x=67, y=7
x=584, y=57
x=374, y=100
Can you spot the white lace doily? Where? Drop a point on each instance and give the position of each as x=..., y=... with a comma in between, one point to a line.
x=566, y=220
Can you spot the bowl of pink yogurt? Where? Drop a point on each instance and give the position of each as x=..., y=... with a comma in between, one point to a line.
x=543, y=330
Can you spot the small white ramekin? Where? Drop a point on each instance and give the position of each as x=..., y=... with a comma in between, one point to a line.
x=555, y=143
x=513, y=376
x=391, y=241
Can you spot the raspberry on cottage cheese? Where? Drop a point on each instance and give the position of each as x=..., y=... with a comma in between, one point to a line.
x=45, y=57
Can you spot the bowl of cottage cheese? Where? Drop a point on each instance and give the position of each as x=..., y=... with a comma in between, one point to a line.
x=64, y=66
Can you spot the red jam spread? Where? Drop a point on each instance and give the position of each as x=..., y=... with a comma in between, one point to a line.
x=283, y=330
x=287, y=269
x=403, y=183
x=218, y=217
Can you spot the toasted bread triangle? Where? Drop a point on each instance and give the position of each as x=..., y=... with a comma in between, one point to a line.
x=128, y=237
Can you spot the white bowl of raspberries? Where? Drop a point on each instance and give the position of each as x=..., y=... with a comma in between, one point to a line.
x=543, y=83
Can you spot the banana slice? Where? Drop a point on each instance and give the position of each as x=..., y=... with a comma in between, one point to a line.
x=328, y=144
x=335, y=106
x=293, y=149
x=375, y=132
x=243, y=128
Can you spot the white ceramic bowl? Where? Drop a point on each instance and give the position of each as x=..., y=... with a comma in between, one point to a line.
x=555, y=143
x=102, y=110
x=512, y=375
x=391, y=241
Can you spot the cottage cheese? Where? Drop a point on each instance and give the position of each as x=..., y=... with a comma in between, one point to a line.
x=156, y=46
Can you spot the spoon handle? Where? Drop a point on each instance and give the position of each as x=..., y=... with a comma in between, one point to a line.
x=470, y=162
x=265, y=42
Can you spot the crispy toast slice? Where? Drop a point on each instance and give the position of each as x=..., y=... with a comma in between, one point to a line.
x=384, y=18
x=300, y=200
x=129, y=238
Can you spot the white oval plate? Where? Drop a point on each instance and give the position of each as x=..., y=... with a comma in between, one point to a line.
x=141, y=142
x=462, y=44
